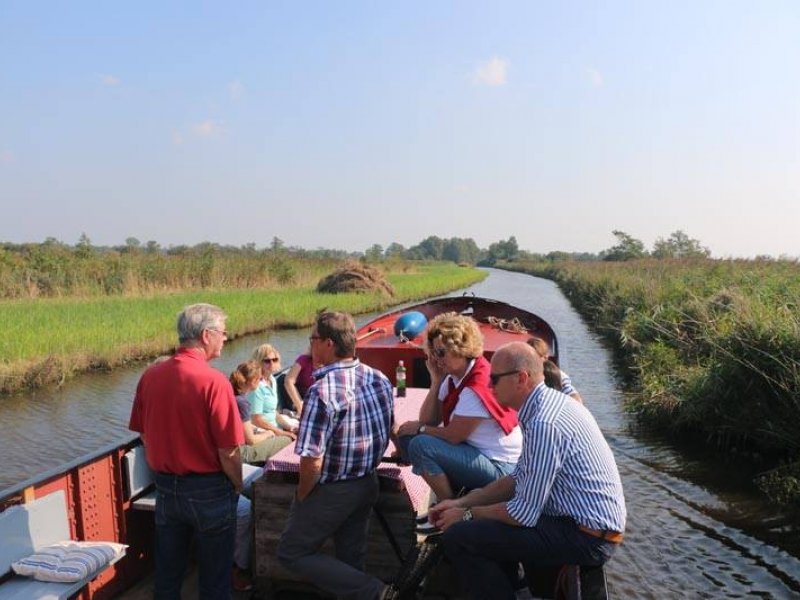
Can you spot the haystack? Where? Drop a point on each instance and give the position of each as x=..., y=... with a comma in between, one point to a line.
x=355, y=277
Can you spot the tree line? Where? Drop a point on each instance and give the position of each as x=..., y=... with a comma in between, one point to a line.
x=53, y=268
x=464, y=250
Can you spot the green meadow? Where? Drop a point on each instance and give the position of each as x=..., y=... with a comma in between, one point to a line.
x=710, y=348
x=47, y=340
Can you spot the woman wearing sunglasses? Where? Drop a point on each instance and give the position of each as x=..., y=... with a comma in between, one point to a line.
x=264, y=399
x=464, y=438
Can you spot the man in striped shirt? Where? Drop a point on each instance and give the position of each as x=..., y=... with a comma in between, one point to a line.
x=563, y=504
x=343, y=434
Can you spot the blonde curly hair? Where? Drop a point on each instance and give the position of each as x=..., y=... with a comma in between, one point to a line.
x=460, y=335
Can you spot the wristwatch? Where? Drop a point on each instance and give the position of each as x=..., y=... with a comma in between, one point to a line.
x=421, y=429
x=467, y=516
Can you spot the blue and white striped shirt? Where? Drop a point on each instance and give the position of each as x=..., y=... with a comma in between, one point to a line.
x=566, y=467
x=347, y=416
x=566, y=384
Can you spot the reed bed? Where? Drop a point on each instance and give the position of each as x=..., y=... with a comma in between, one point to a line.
x=710, y=347
x=49, y=340
x=53, y=269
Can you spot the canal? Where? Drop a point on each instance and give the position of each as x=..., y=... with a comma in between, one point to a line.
x=696, y=527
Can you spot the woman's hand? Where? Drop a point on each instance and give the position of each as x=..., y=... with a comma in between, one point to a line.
x=291, y=435
x=435, y=369
x=409, y=428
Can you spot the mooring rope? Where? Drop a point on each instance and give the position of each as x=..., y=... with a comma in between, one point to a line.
x=514, y=325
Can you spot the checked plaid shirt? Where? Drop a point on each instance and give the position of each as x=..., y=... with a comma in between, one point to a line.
x=347, y=417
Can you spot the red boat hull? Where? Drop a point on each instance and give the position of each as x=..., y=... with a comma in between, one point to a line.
x=500, y=323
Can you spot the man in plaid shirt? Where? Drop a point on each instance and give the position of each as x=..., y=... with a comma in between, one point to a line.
x=344, y=432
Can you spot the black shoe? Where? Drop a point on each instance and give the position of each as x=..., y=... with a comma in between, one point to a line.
x=428, y=528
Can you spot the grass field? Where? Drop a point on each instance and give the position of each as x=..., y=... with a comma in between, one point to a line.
x=48, y=340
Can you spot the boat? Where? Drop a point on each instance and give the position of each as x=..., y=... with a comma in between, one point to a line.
x=108, y=498
x=382, y=342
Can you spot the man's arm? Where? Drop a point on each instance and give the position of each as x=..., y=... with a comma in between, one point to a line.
x=231, y=461
x=310, y=472
x=486, y=503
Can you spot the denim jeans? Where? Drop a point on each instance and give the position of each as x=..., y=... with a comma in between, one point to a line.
x=485, y=553
x=463, y=464
x=244, y=534
x=199, y=506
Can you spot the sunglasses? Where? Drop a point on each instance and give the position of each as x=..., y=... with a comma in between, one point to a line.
x=495, y=377
x=270, y=360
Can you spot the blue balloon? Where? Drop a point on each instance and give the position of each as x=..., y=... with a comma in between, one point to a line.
x=410, y=324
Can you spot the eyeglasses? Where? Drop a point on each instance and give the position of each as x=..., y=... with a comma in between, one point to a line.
x=495, y=377
x=439, y=352
x=311, y=338
x=222, y=331
x=271, y=360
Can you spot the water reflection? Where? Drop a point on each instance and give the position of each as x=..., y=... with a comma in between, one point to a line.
x=695, y=527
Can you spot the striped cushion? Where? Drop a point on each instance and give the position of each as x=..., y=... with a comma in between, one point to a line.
x=68, y=561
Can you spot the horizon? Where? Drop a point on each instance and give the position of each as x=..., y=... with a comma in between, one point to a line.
x=347, y=125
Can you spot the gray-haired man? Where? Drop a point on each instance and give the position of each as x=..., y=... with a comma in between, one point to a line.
x=186, y=414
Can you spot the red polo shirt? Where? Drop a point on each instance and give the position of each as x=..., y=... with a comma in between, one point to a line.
x=186, y=411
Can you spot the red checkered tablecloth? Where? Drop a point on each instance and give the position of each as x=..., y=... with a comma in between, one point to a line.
x=405, y=409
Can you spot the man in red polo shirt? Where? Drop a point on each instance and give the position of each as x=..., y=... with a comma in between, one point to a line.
x=186, y=414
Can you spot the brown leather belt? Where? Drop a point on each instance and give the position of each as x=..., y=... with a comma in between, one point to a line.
x=614, y=537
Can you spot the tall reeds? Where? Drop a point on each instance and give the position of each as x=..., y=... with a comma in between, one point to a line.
x=711, y=347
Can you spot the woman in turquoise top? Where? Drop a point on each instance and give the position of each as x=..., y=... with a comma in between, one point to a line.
x=264, y=399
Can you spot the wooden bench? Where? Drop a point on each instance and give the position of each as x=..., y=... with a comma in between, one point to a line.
x=25, y=529
x=141, y=483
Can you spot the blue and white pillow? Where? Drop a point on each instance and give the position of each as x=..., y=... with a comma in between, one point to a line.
x=68, y=561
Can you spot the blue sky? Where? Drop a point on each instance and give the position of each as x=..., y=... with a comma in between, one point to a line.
x=345, y=124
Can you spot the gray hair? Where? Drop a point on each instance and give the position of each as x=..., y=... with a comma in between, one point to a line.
x=193, y=319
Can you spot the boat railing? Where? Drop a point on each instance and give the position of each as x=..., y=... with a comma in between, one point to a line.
x=18, y=489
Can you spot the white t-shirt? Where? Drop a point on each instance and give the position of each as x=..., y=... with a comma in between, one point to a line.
x=488, y=437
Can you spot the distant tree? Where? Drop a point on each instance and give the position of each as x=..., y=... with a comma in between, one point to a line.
x=395, y=250
x=558, y=255
x=461, y=250
x=152, y=247
x=374, y=253
x=626, y=248
x=679, y=245
x=84, y=247
x=502, y=250
x=431, y=248
x=277, y=244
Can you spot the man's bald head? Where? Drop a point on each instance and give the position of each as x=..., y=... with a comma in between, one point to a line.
x=516, y=371
x=519, y=356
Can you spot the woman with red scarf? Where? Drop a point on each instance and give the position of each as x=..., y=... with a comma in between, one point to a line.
x=464, y=438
